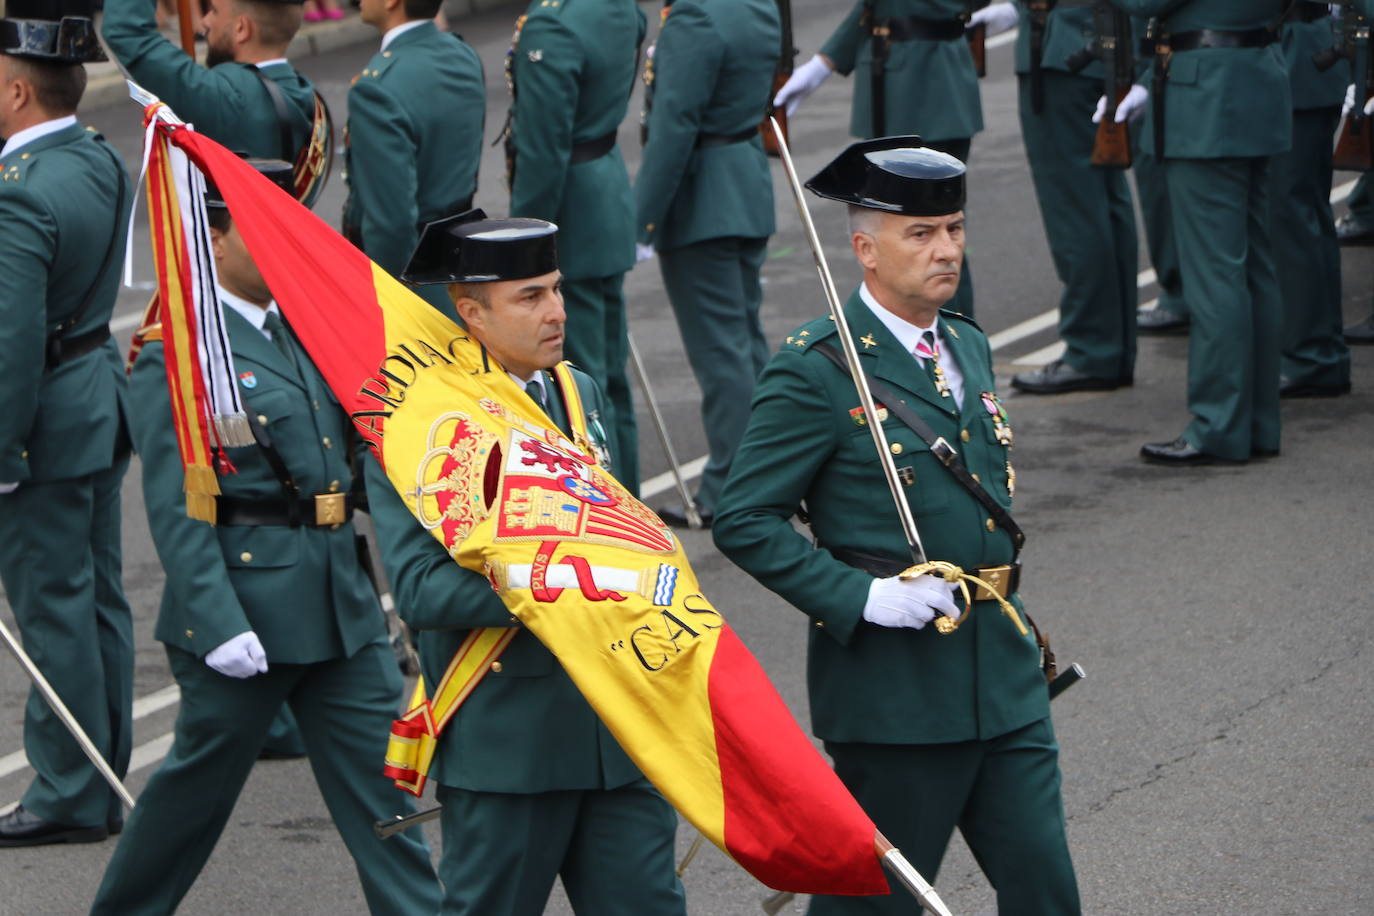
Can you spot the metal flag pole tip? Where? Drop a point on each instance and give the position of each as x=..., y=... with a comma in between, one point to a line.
x=911, y=879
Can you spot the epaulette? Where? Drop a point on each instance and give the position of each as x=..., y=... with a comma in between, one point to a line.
x=809, y=333
x=15, y=167
x=950, y=315
x=377, y=66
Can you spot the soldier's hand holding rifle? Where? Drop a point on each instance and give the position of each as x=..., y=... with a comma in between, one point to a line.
x=996, y=18
x=897, y=602
x=1131, y=106
x=1349, y=104
x=805, y=80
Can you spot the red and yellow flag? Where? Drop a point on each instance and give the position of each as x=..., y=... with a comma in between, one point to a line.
x=585, y=566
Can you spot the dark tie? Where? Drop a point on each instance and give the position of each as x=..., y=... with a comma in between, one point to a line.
x=536, y=393
x=281, y=338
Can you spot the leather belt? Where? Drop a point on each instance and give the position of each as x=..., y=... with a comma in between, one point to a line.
x=706, y=141
x=65, y=349
x=1217, y=38
x=911, y=28
x=592, y=149
x=324, y=510
x=1006, y=578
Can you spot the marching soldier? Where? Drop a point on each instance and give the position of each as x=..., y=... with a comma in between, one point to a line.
x=283, y=529
x=64, y=206
x=705, y=203
x=928, y=730
x=1169, y=316
x=416, y=114
x=571, y=68
x=533, y=786
x=913, y=74
x=1217, y=172
x=1315, y=361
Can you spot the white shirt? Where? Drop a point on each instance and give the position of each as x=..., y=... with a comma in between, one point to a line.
x=395, y=32
x=909, y=335
x=538, y=379
x=30, y=134
x=255, y=315
x=264, y=64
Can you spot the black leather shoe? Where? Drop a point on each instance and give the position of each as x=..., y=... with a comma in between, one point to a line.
x=676, y=516
x=272, y=753
x=1160, y=322
x=1059, y=377
x=23, y=828
x=1264, y=452
x=115, y=827
x=1291, y=389
x=1350, y=230
x=1179, y=453
x=1362, y=333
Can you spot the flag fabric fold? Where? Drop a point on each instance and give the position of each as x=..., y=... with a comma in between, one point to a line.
x=581, y=563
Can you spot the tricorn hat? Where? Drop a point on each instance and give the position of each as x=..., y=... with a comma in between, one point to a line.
x=894, y=174
x=59, y=31
x=469, y=248
x=278, y=171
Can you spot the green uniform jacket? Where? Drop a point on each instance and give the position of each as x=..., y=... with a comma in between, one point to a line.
x=574, y=67
x=873, y=684
x=1068, y=30
x=58, y=217
x=301, y=589
x=1311, y=87
x=1220, y=102
x=416, y=115
x=227, y=103
x=525, y=728
x=932, y=87
x=713, y=74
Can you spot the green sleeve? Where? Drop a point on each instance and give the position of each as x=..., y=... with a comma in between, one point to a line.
x=28, y=237
x=789, y=439
x=197, y=577
x=687, y=60
x=843, y=46
x=431, y=591
x=545, y=106
x=383, y=152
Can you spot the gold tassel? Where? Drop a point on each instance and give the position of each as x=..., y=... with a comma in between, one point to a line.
x=202, y=486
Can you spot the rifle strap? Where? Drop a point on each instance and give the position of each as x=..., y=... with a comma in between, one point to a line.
x=283, y=114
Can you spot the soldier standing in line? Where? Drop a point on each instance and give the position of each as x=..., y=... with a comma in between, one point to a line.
x=705, y=202
x=416, y=114
x=571, y=68
x=1217, y=171
x=268, y=606
x=64, y=208
x=1357, y=226
x=913, y=74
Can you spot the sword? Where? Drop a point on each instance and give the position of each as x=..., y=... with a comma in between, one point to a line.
x=388, y=827
x=64, y=714
x=688, y=504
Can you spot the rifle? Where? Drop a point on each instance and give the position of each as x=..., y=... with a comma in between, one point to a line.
x=1039, y=18
x=1111, y=45
x=977, y=37
x=1355, y=140
x=784, y=72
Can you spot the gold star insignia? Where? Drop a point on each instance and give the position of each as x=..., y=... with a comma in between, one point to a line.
x=791, y=340
x=868, y=341
x=952, y=333
x=805, y=334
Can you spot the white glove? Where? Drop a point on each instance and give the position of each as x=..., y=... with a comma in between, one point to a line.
x=643, y=252
x=998, y=17
x=913, y=603
x=805, y=80
x=1131, y=106
x=8, y=488
x=1349, y=103
x=240, y=656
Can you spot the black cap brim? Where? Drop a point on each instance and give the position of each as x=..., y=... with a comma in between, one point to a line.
x=469, y=248
x=895, y=175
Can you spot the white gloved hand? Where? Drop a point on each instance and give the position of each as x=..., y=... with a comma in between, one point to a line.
x=998, y=17
x=894, y=602
x=805, y=80
x=8, y=488
x=1132, y=105
x=1349, y=104
x=643, y=252
x=240, y=656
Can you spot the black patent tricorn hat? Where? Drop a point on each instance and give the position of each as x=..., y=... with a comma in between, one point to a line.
x=59, y=31
x=280, y=172
x=896, y=175
x=469, y=248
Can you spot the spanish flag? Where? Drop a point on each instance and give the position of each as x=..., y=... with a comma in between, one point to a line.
x=585, y=566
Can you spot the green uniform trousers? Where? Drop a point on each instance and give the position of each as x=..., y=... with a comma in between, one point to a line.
x=715, y=292
x=344, y=707
x=1307, y=254
x=1089, y=223
x=613, y=848
x=1002, y=794
x=1159, y=223
x=60, y=564
x=596, y=341
x=962, y=302
x=1221, y=223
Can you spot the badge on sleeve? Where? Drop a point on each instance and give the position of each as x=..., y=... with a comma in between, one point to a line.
x=248, y=380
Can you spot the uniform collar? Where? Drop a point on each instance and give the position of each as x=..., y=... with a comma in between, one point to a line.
x=37, y=132
x=255, y=315
x=397, y=31
x=907, y=334
x=264, y=64
x=537, y=378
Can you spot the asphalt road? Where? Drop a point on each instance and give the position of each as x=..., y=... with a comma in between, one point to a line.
x=1220, y=758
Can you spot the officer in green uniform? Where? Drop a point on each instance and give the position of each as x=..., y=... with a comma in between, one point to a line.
x=1086, y=209
x=283, y=532
x=64, y=205
x=929, y=731
x=705, y=202
x=1315, y=360
x=1168, y=316
x=416, y=114
x=572, y=66
x=533, y=785
x=1219, y=111
x=924, y=81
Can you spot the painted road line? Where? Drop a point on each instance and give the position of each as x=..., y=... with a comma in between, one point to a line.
x=665, y=482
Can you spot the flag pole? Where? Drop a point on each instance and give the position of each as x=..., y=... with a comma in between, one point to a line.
x=689, y=505
x=188, y=29
x=64, y=715
x=911, y=879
